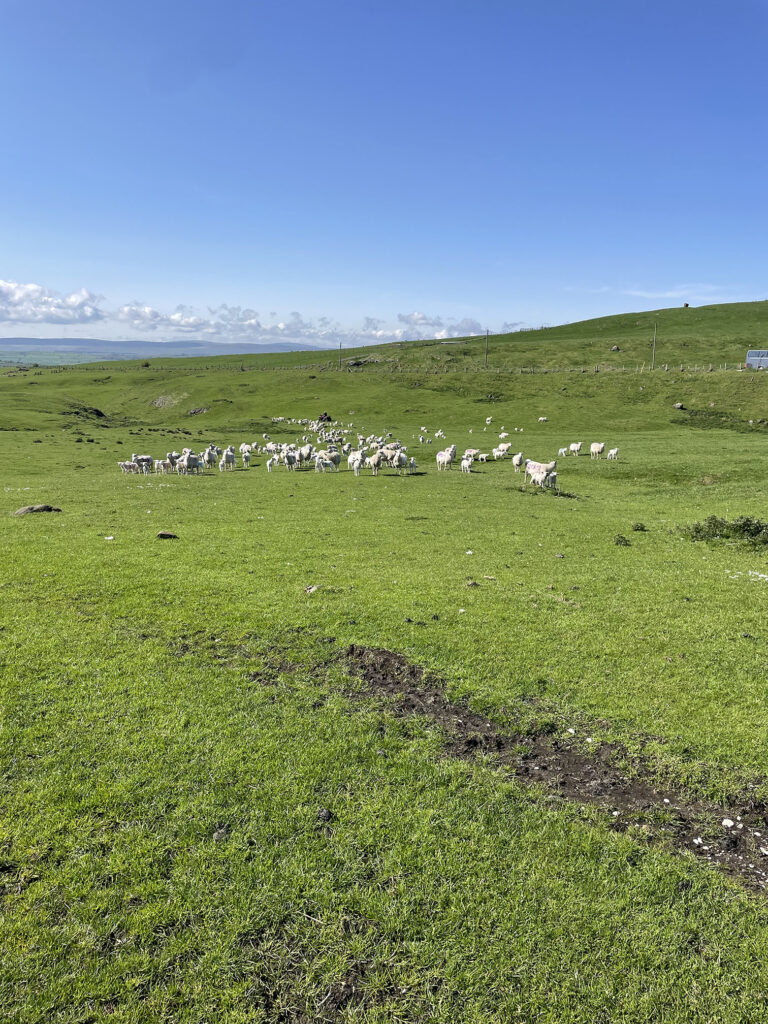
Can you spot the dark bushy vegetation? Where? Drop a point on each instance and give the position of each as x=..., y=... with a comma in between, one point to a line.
x=742, y=528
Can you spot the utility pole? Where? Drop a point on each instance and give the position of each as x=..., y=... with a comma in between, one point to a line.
x=653, y=353
x=486, y=348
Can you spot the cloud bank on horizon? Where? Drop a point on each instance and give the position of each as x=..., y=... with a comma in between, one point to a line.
x=34, y=304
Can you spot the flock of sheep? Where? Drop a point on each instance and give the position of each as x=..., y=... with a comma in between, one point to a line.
x=332, y=443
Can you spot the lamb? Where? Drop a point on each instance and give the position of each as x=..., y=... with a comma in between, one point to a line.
x=542, y=419
x=482, y=457
x=562, y=451
x=517, y=461
x=488, y=420
x=412, y=465
x=246, y=459
x=271, y=463
x=596, y=449
x=575, y=447
x=503, y=434
x=498, y=453
x=613, y=454
x=129, y=467
x=466, y=465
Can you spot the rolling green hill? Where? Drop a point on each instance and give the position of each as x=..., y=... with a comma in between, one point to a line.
x=441, y=747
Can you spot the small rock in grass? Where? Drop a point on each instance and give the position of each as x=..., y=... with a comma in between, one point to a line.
x=221, y=831
x=559, y=556
x=324, y=814
x=727, y=823
x=165, y=535
x=35, y=508
x=310, y=590
x=621, y=541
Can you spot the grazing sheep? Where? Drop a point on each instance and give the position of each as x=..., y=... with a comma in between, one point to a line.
x=596, y=449
x=613, y=454
x=542, y=419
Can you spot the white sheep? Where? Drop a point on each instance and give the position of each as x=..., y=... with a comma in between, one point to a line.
x=273, y=461
x=542, y=419
x=562, y=451
x=517, y=461
x=575, y=447
x=613, y=454
x=466, y=465
x=596, y=449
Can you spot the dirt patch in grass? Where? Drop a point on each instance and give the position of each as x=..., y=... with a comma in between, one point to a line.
x=641, y=807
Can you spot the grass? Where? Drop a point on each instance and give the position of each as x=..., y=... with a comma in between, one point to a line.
x=176, y=719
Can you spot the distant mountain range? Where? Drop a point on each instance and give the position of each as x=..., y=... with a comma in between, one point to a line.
x=87, y=350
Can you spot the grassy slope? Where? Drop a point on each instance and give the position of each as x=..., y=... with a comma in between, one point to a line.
x=137, y=719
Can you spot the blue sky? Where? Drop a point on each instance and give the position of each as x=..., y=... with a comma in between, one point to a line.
x=372, y=170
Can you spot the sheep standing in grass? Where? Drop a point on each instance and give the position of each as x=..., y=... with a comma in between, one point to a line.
x=562, y=451
x=498, y=453
x=542, y=419
x=466, y=464
x=246, y=459
x=575, y=447
x=596, y=449
x=517, y=461
x=613, y=454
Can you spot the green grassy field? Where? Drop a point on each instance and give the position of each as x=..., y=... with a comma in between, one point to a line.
x=206, y=818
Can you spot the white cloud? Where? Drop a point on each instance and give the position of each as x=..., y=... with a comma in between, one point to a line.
x=145, y=318
x=33, y=304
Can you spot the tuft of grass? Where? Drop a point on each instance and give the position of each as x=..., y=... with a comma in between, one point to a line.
x=745, y=528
